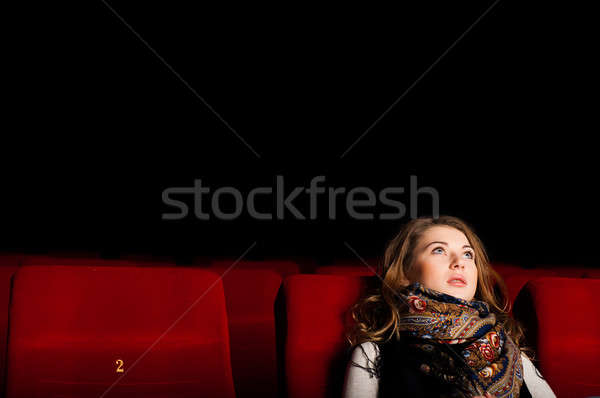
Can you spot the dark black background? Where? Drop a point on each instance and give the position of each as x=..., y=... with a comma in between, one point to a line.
x=97, y=126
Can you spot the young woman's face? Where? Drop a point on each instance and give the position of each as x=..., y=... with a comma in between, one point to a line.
x=443, y=254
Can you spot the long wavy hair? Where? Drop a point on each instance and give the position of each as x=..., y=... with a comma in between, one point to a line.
x=377, y=314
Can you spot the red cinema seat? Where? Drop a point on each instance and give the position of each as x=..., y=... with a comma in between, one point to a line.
x=515, y=282
x=355, y=270
x=118, y=332
x=562, y=322
x=250, y=297
x=316, y=350
x=9, y=264
x=283, y=267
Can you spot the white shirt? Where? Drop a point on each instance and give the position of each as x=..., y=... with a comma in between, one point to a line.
x=359, y=383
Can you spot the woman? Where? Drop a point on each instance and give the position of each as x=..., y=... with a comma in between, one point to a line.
x=435, y=326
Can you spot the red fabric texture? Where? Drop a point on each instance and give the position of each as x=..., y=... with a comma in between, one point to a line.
x=562, y=322
x=515, y=282
x=250, y=297
x=70, y=324
x=317, y=317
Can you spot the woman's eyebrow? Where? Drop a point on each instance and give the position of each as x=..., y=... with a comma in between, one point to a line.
x=444, y=243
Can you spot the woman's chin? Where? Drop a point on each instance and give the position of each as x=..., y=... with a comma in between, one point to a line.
x=461, y=292
x=458, y=292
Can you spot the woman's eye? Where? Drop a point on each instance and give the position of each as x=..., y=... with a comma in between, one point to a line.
x=469, y=253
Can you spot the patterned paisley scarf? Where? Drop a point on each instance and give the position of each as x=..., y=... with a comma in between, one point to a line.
x=460, y=344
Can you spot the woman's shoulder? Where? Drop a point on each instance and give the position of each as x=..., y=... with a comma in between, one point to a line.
x=365, y=355
x=362, y=377
x=368, y=348
x=536, y=384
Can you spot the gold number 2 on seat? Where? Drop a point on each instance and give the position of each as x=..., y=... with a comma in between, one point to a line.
x=120, y=363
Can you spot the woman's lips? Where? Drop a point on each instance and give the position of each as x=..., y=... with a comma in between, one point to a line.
x=456, y=282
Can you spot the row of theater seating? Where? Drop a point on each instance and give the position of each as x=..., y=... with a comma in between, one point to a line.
x=75, y=327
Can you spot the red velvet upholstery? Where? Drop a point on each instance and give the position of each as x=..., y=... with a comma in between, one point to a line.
x=250, y=297
x=562, y=322
x=316, y=350
x=9, y=264
x=355, y=270
x=69, y=325
x=283, y=267
x=515, y=282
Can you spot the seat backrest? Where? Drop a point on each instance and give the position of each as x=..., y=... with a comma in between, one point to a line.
x=81, y=331
x=250, y=296
x=515, y=282
x=316, y=351
x=562, y=322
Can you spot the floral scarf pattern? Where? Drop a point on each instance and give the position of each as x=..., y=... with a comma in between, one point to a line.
x=451, y=334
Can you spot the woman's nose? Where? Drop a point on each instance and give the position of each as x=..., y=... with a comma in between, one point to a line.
x=456, y=263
